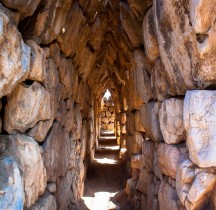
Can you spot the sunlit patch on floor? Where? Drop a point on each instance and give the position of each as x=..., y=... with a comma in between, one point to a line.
x=101, y=201
x=105, y=161
x=107, y=138
x=109, y=147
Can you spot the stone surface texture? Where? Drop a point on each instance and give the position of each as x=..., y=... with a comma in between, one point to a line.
x=171, y=121
x=158, y=60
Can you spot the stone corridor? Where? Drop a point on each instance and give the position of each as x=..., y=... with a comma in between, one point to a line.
x=158, y=60
x=106, y=178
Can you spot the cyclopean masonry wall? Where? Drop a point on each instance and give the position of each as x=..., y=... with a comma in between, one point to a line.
x=156, y=57
x=107, y=114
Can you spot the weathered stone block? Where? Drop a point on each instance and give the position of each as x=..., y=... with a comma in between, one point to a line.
x=56, y=152
x=47, y=201
x=139, y=82
x=66, y=189
x=167, y=197
x=137, y=142
x=23, y=113
x=11, y=185
x=176, y=43
x=37, y=63
x=136, y=161
x=28, y=155
x=149, y=35
x=171, y=121
x=25, y=8
x=202, y=14
x=131, y=186
x=184, y=177
x=200, y=122
x=131, y=25
x=14, y=57
x=143, y=181
x=201, y=189
x=148, y=155
x=150, y=121
x=168, y=157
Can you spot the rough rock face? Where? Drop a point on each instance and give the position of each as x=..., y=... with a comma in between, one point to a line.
x=170, y=29
x=38, y=62
x=28, y=155
x=184, y=177
x=200, y=189
x=11, y=184
x=14, y=57
x=149, y=35
x=171, y=121
x=56, y=152
x=57, y=59
x=48, y=201
x=167, y=197
x=25, y=8
x=168, y=157
x=22, y=113
x=199, y=121
x=150, y=121
x=140, y=83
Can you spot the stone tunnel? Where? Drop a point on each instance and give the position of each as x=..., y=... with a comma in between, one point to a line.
x=158, y=60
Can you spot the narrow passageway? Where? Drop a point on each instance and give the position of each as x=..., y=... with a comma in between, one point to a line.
x=106, y=178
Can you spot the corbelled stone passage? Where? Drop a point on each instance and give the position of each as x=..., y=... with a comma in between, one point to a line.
x=158, y=60
x=107, y=121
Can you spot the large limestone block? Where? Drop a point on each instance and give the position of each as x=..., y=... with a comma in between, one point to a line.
x=157, y=170
x=150, y=121
x=27, y=105
x=97, y=33
x=26, y=8
x=14, y=56
x=77, y=128
x=123, y=118
x=11, y=185
x=171, y=121
x=131, y=186
x=139, y=82
x=202, y=14
x=38, y=62
x=177, y=42
x=149, y=36
x=29, y=157
x=13, y=16
x=131, y=25
x=143, y=181
x=55, y=54
x=40, y=130
x=49, y=22
x=148, y=155
x=200, y=190
x=47, y=201
x=74, y=41
x=65, y=76
x=130, y=125
x=56, y=152
x=184, y=177
x=168, y=157
x=160, y=83
x=66, y=190
x=167, y=197
x=200, y=122
x=137, y=142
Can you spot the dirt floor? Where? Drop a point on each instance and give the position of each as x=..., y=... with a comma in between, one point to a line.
x=106, y=179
